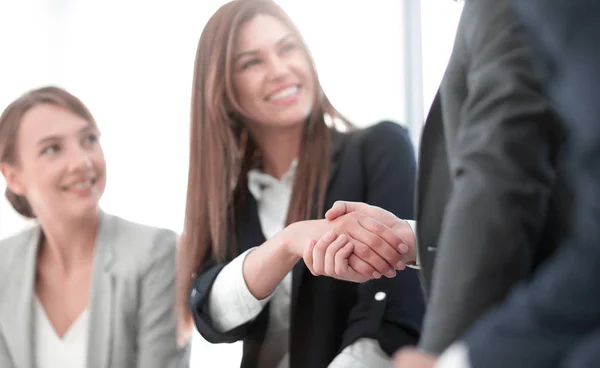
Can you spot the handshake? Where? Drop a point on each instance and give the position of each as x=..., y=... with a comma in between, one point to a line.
x=355, y=242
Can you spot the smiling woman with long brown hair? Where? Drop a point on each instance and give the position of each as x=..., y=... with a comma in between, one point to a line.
x=264, y=164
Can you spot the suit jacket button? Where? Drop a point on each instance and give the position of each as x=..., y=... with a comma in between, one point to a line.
x=380, y=295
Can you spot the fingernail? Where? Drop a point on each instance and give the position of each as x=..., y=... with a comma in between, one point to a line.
x=400, y=265
x=391, y=273
x=403, y=248
x=376, y=275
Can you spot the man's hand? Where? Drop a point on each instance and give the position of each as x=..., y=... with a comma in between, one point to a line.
x=399, y=226
x=413, y=358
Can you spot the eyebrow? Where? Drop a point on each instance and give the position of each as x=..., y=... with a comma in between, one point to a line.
x=54, y=138
x=256, y=52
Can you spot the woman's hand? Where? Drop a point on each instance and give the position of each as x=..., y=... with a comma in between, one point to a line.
x=329, y=257
x=377, y=249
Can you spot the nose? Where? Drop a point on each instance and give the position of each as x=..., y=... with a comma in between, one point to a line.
x=278, y=68
x=80, y=160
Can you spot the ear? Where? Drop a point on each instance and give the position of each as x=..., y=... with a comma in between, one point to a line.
x=12, y=177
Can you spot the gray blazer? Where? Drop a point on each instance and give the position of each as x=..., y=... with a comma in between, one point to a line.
x=132, y=319
x=489, y=185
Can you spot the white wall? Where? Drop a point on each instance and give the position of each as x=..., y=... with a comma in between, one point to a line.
x=439, y=19
x=131, y=62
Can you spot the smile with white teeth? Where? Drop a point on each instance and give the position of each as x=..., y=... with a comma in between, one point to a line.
x=284, y=93
x=83, y=185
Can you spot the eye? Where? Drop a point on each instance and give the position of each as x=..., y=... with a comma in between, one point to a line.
x=250, y=63
x=288, y=47
x=51, y=149
x=91, y=139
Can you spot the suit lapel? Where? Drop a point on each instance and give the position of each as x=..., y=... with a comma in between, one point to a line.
x=433, y=188
x=101, y=297
x=16, y=314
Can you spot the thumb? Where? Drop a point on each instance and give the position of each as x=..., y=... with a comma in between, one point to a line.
x=338, y=209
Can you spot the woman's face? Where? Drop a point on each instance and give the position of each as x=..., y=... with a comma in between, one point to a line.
x=272, y=75
x=60, y=165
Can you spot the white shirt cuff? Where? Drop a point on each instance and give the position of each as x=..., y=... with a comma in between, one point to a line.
x=230, y=303
x=413, y=227
x=456, y=356
x=364, y=353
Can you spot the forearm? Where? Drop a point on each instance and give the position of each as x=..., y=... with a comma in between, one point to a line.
x=266, y=266
x=479, y=258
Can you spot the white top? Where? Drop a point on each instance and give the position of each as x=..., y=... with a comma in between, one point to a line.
x=231, y=304
x=50, y=350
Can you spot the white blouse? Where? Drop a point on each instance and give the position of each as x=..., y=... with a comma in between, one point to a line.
x=51, y=351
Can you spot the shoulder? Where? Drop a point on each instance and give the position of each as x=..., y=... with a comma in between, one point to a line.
x=15, y=249
x=140, y=244
x=386, y=134
x=385, y=140
x=15, y=246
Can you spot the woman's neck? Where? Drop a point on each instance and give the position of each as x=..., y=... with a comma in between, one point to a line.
x=67, y=243
x=278, y=150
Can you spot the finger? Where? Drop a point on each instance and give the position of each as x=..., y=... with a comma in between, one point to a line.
x=340, y=208
x=362, y=267
x=342, y=266
x=378, y=228
x=308, y=256
x=382, y=240
x=330, y=254
x=369, y=256
x=319, y=252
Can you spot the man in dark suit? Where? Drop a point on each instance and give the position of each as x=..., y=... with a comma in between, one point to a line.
x=487, y=213
x=554, y=320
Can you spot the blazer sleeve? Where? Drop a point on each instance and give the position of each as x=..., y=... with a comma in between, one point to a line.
x=157, y=333
x=555, y=319
x=388, y=310
x=199, y=306
x=502, y=173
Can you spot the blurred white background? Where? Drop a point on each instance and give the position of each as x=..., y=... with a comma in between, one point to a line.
x=131, y=62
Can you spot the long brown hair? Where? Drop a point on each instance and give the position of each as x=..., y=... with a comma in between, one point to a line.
x=10, y=121
x=222, y=151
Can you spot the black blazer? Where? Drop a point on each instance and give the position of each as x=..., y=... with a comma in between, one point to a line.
x=377, y=166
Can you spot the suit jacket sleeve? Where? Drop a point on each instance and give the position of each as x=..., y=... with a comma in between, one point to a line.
x=157, y=336
x=502, y=173
x=554, y=320
x=390, y=168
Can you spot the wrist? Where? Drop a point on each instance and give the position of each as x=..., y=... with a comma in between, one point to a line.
x=286, y=245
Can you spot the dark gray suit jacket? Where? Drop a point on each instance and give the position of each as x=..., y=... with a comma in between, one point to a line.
x=132, y=319
x=554, y=321
x=486, y=208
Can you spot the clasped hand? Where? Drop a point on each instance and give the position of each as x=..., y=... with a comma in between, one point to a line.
x=357, y=242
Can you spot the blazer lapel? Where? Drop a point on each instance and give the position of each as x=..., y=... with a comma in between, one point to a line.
x=101, y=296
x=16, y=314
x=249, y=231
